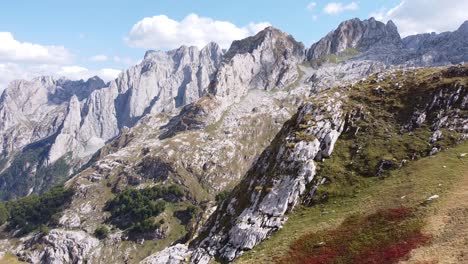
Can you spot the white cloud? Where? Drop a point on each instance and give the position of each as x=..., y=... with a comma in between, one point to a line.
x=336, y=8
x=422, y=16
x=24, y=60
x=311, y=5
x=13, y=71
x=162, y=32
x=100, y=57
x=12, y=50
x=124, y=60
x=77, y=72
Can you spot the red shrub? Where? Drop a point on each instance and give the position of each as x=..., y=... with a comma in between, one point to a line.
x=384, y=237
x=392, y=253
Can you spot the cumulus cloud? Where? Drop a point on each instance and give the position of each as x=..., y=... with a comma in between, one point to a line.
x=311, y=6
x=14, y=71
x=162, y=32
x=25, y=60
x=423, y=16
x=100, y=57
x=336, y=8
x=78, y=72
x=12, y=50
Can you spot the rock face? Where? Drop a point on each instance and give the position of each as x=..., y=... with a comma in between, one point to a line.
x=171, y=255
x=356, y=34
x=438, y=49
x=162, y=82
x=61, y=246
x=78, y=118
x=33, y=110
x=274, y=184
x=371, y=40
x=265, y=61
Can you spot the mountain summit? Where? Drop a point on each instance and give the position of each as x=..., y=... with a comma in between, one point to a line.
x=356, y=34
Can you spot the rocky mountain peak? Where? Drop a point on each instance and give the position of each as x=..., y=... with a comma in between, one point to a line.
x=464, y=27
x=270, y=35
x=361, y=35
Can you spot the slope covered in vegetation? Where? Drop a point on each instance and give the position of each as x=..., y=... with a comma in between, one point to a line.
x=396, y=123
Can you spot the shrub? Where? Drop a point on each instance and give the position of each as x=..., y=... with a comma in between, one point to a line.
x=192, y=211
x=133, y=208
x=144, y=226
x=3, y=214
x=221, y=196
x=101, y=232
x=30, y=212
x=43, y=229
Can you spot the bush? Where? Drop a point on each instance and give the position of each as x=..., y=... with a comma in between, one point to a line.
x=144, y=226
x=101, y=232
x=221, y=196
x=30, y=212
x=133, y=208
x=43, y=229
x=192, y=211
x=3, y=214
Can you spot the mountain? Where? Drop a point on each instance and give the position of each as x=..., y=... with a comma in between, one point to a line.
x=443, y=48
x=212, y=151
x=357, y=35
x=372, y=40
x=78, y=118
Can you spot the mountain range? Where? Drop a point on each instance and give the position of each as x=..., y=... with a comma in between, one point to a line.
x=246, y=135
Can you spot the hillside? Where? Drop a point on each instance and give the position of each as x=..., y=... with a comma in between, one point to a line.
x=443, y=174
x=372, y=127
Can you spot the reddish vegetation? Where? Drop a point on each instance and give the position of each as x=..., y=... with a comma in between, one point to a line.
x=384, y=237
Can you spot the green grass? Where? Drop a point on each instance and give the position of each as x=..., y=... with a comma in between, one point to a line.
x=407, y=187
x=10, y=259
x=335, y=58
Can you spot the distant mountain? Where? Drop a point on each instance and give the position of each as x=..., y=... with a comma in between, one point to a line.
x=359, y=35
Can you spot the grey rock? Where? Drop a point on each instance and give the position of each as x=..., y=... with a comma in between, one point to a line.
x=172, y=255
x=356, y=34
x=60, y=246
x=266, y=208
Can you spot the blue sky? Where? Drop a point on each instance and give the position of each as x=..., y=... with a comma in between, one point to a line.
x=103, y=29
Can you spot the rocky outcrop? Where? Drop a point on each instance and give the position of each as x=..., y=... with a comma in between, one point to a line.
x=445, y=111
x=61, y=246
x=274, y=185
x=171, y=255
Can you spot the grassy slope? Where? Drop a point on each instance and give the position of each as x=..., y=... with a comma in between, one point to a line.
x=409, y=186
x=10, y=259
